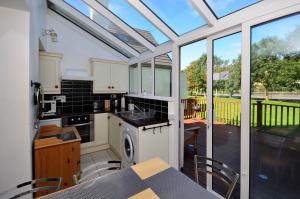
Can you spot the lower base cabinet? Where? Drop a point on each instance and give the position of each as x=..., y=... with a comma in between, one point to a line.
x=153, y=142
x=114, y=129
x=57, y=161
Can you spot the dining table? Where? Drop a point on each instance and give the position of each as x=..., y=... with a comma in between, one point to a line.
x=152, y=179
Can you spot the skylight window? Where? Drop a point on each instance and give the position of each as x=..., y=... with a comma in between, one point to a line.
x=179, y=15
x=222, y=8
x=137, y=21
x=106, y=24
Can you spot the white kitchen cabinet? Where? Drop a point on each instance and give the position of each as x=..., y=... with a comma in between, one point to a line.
x=101, y=128
x=115, y=134
x=50, y=72
x=110, y=76
x=153, y=143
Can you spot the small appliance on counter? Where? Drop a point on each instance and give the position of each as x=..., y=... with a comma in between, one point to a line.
x=49, y=107
x=107, y=105
x=96, y=106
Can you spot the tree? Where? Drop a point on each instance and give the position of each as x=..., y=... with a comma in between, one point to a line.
x=196, y=75
x=233, y=84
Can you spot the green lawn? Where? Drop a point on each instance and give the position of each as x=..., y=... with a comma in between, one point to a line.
x=274, y=113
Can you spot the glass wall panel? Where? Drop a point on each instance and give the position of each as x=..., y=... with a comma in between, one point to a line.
x=179, y=15
x=193, y=79
x=163, y=75
x=275, y=109
x=223, y=8
x=105, y=23
x=138, y=22
x=227, y=106
x=147, y=78
x=133, y=79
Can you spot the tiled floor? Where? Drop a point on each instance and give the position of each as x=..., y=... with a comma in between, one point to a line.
x=99, y=156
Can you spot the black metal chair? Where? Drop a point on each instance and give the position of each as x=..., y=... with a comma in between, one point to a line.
x=217, y=169
x=35, y=186
x=95, y=170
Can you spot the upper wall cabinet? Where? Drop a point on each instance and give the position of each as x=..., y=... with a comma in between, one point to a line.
x=49, y=72
x=110, y=76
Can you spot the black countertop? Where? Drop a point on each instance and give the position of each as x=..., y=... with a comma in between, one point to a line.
x=136, y=123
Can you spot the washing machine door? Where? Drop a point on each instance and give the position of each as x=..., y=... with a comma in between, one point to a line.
x=128, y=149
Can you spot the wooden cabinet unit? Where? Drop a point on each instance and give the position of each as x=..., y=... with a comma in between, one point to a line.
x=55, y=157
x=49, y=72
x=115, y=134
x=110, y=76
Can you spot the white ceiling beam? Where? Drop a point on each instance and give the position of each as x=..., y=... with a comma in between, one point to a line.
x=105, y=12
x=98, y=29
x=204, y=11
x=148, y=14
x=257, y=10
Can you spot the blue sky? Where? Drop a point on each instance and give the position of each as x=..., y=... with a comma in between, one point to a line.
x=224, y=7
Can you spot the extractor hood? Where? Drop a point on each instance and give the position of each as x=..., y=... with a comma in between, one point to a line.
x=76, y=74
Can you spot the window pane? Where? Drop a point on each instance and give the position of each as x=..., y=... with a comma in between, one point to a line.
x=133, y=79
x=227, y=106
x=106, y=24
x=163, y=75
x=147, y=78
x=193, y=72
x=222, y=8
x=137, y=21
x=275, y=109
x=179, y=14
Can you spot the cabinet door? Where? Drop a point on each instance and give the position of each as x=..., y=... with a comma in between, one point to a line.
x=101, y=128
x=154, y=143
x=115, y=134
x=101, y=75
x=119, y=78
x=49, y=72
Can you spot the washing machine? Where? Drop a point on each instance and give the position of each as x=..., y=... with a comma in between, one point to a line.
x=129, y=146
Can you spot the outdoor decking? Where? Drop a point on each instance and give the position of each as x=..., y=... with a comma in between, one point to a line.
x=265, y=177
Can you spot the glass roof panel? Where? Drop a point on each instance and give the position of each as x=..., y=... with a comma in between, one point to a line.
x=106, y=24
x=179, y=15
x=138, y=22
x=222, y=8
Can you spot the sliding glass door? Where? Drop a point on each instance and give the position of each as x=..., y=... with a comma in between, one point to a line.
x=275, y=109
x=226, y=87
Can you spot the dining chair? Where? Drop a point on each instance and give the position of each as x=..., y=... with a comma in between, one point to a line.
x=36, y=186
x=96, y=170
x=217, y=169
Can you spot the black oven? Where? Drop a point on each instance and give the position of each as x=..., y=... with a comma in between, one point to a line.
x=84, y=125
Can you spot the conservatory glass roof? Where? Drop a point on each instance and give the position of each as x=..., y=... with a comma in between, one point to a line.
x=106, y=24
x=179, y=15
x=133, y=27
x=138, y=22
x=222, y=8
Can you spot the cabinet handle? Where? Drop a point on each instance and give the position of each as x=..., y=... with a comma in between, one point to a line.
x=108, y=87
x=56, y=86
x=112, y=87
x=120, y=124
x=108, y=117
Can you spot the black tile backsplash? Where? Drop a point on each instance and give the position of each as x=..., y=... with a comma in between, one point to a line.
x=161, y=107
x=80, y=97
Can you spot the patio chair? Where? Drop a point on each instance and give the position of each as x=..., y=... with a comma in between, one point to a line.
x=38, y=185
x=96, y=170
x=217, y=169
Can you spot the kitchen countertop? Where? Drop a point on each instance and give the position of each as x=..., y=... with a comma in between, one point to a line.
x=49, y=136
x=136, y=123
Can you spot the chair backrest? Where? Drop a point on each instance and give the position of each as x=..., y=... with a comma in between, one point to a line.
x=217, y=169
x=35, y=186
x=96, y=170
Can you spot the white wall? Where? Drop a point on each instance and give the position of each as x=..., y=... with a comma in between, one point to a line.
x=76, y=45
x=15, y=143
